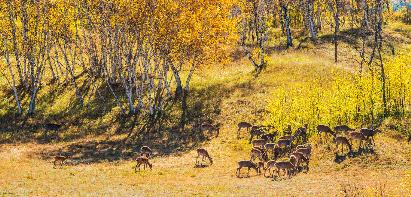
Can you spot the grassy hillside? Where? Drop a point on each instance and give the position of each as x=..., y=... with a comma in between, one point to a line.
x=228, y=94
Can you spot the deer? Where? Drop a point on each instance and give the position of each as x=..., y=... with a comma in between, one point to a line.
x=269, y=165
x=343, y=128
x=369, y=134
x=301, y=133
x=257, y=132
x=142, y=160
x=297, y=158
x=241, y=125
x=286, y=166
x=258, y=153
x=343, y=141
x=269, y=137
x=210, y=128
x=59, y=159
x=250, y=165
x=324, y=129
x=284, y=144
x=306, y=151
x=357, y=136
x=259, y=143
x=146, y=151
x=204, y=154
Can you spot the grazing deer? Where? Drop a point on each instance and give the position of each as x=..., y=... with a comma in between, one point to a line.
x=326, y=130
x=250, y=165
x=369, y=134
x=204, y=154
x=210, y=128
x=142, y=160
x=286, y=166
x=297, y=158
x=258, y=153
x=256, y=132
x=357, y=136
x=241, y=125
x=343, y=128
x=59, y=159
x=259, y=143
x=343, y=141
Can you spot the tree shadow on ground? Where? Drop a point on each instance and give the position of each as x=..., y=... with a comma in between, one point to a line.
x=204, y=106
x=368, y=150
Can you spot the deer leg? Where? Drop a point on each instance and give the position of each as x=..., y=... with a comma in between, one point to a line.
x=238, y=133
x=238, y=172
x=248, y=172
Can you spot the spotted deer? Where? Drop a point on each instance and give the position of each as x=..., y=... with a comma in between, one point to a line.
x=201, y=152
x=242, y=125
x=340, y=140
x=250, y=165
x=59, y=159
x=142, y=160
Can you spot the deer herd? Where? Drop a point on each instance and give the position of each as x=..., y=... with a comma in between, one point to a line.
x=290, y=153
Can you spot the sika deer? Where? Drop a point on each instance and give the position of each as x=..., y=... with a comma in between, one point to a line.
x=241, y=125
x=305, y=151
x=369, y=134
x=142, y=160
x=250, y=165
x=324, y=129
x=301, y=133
x=286, y=166
x=255, y=131
x=259, y=143
x=204, y=154
x=343, y=141
x=284, y=145
x=343, y=128
x=357, y=136
x=258, y=153
x=297, y=157
x=269, y=137
x=60, y=159
x=269, y=165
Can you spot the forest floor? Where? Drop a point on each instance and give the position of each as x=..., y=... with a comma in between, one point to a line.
x=26, y=169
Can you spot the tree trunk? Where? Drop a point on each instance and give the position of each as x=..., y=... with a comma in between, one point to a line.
x=287, y=26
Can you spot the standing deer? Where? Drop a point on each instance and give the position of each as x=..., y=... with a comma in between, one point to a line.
x=326, y=130
x=358, y=136
x=297, y=158
x=256, y=132
x=301, y=133
x=286, y=166
x=306, y=151
x=241, y=125
x=258, y=153
x=142, y=160
x=259, y=143
x=343, y=128
x=343, y=141
x=269, y=137
x=51, y=127
x=369, y=134
x=204, y=154
x=59, y=159
x=250, y=165
x=269, y=165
